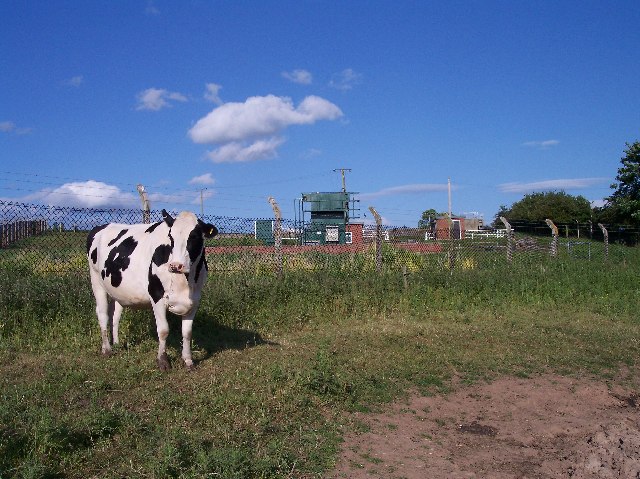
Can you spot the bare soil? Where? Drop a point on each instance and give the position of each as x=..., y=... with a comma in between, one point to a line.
x=544, y=427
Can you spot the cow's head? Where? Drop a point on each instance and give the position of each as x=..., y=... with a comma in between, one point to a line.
x=187, y=234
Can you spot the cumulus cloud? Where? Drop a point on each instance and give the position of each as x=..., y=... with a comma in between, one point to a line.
x=212, y=93
x=551, y=185
x=89, y=194
x=412, y=189
x=205, y=179
x=250, y=131
x=542, y=145
x=155, y=99
x=260, y=116
x=239, y=152
x=345, y=80
x=302, y=77
x=11, y=128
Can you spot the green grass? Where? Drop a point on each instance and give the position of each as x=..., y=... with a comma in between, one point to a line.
x=282, y=364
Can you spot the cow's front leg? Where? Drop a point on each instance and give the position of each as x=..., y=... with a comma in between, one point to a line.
x=187, y=325
x=162, y=326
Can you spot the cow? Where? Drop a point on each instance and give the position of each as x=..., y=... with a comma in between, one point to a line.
x=161, y=266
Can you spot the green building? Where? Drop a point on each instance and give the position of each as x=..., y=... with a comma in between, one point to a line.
x=323, y=217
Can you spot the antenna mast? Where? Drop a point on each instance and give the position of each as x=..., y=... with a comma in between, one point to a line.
x=342, y=171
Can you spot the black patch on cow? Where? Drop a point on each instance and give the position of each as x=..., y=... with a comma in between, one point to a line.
x=153, y=227
x=199, y=267
x=120, y=235
x=155, y=288
x=92, y=235
x=195, y=243
x=118, y=261
x=161, y=254
x=94, y=255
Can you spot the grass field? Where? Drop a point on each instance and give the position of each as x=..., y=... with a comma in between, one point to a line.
x=282, y=363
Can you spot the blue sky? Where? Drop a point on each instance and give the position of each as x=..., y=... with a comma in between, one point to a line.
x=241, y=100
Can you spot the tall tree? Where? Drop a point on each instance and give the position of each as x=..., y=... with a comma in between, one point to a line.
x=555, y=205
x=427, y=216
x=624, y=203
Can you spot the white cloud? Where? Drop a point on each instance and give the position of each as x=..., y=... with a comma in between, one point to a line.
x=75, y=81
x=205, y=179
x=302, y=77
x=212, y=93
x=551, y=185
x=240, y=152
x=250, y=131
x=88, y=194
x=405, y=190
x=542, y=145
x=10, y=127
x=260, y=116
x=345, y=80
x=310, y=153
x=155, y=99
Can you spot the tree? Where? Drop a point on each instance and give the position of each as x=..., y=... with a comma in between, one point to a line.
x=624, y=204
x=427, y=216
x=554, y=205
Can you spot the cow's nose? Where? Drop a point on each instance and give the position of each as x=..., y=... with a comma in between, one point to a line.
x=176, y=267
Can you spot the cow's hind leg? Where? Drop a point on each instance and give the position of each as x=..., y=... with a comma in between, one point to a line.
x=116, y=313
x=103, y=311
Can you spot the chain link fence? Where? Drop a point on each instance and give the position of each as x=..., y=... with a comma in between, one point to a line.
x=39, y=239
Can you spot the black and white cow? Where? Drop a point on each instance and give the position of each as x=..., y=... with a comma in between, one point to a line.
x=161, y=266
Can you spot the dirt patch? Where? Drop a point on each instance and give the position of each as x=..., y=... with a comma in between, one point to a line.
x=544, y=427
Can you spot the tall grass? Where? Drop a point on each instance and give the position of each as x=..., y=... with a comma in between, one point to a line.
x=281, y=363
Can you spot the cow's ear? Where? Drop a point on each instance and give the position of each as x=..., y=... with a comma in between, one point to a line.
x=167, y=218
x=208, y=229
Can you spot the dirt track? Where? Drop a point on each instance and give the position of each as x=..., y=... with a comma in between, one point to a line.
x=544, y=427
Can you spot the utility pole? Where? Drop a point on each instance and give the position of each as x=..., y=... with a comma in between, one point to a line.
x=449, y=193
x=344, y=184
x=202, y=202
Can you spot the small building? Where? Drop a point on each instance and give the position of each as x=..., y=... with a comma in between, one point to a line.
x=354, y=234
x=445, y=228
x=325, y=217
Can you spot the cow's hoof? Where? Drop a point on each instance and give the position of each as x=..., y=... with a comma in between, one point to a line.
x=106, y=353
x=163, y=362
x=189, y=366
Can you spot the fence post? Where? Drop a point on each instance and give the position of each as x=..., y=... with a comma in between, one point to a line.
x=146, y=208
x=450, y=253
x=277, y=235
x=554, y=240
x=507, y=225
x=378, y=238
x=605, y=234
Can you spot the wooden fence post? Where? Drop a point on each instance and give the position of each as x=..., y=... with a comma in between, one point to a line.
x=146, y=207
x=507, y=225
x=378, y=238
x=450, y=252
x=605, y=234
x=277, y=235
x=554, y=240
